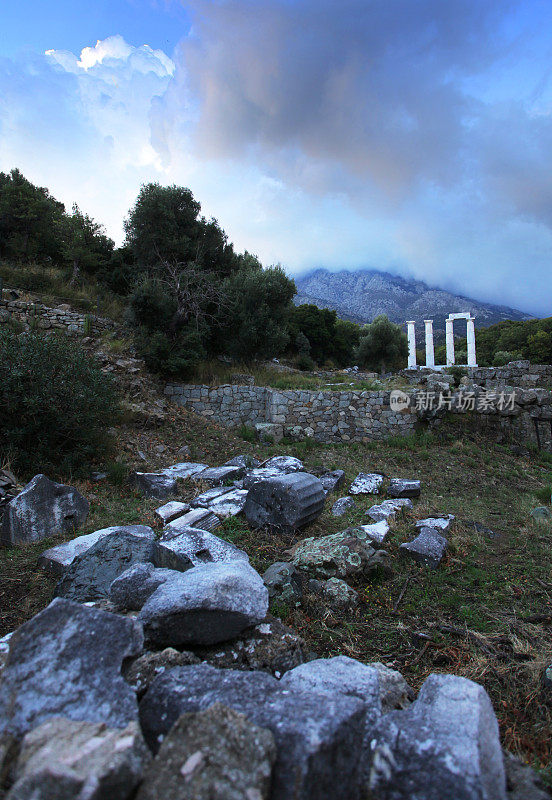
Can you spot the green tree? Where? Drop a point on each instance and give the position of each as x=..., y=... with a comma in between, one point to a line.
x=382, y=344
x=539, y=347
x=86, y=248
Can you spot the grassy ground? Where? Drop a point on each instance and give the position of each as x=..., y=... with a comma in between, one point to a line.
x=486, y=613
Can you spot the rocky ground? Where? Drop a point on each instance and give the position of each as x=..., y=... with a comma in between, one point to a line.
x=477, y=606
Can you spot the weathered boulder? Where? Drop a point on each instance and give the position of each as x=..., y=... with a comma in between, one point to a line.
x=260, y=474
x=216, y=754
x=342, y=505
x=288, y=502
x=229, y=504
x=446, y=744
x=339, y=555
x=245, y=461
x=154, y=484
x=268, y=647
x=183, y=546
x=428, y=547
x=196, y=518
x=142, y=671
x=337, y=594
x=57, y=559
x=399, y=487
x=186, y=469
x=283, y=581
x=318, y=737
x=331, y=480
x=91, y=574
x=66, y=661
x=207, y=604
x=171, y=510
x=437, y=523
x=130, y=590
x=42, y=509
x=286, y=464
x=388, y=509
x=366, y=483
x=63, y=759
x=376, y=531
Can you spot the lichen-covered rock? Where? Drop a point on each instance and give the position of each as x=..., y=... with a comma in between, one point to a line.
x=318, y=737
x=207, y=604
x=283, y=581
x=91, y=574
x=428, y=547
x=216, y=754
x=366, y=483
x=42, y=509
x=142, y=671
x=289, y=502
x=399, y=487
x=57, y=559
x=446, y=744
x=342, y=505
x=337, y=594
x=66, y=661
x=63, y=759
x=339, y=555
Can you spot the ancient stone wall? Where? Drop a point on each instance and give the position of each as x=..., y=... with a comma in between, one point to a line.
x=45, y=318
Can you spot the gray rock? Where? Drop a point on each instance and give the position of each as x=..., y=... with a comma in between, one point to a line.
x=205, y=499
x=42, y=509
x=66, y=661
x=247, y=462
x=428, y=547
x=130, y=590
x=522, y=782
x=230, y=504
x=92, y=573
x=331, y=480
x=319, y=741
x=63, y=759
x=172, y=510
x=207, y=604
x=268, y=647
x=142, y=671
x=154, y=484
x=182, y=547
x=437, y=523
x=186, y=469
x=216, y=754
x=196, y=518
x=388, y=509
x=260, y=474
x=283, y=582
x=376, y=531
x=398, y=487
x=288, y=502
x=56, y=560
x=286, y=464
x=341, y=506
x=339, y=555
x=337, y=594
x=269, y=432
x=395, y=693
x=445, y=745
x=366, y=483
x=219, y=475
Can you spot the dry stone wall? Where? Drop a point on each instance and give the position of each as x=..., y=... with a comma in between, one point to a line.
x=46, y=318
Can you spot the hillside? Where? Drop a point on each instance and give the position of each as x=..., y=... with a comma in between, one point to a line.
x=361, y=295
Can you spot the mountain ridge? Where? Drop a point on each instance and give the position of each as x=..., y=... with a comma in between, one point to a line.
x=360, y=295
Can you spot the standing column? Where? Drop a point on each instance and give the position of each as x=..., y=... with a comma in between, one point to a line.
x=430, y=352
x=411, y=334
x=449, y=333
x=470, y=337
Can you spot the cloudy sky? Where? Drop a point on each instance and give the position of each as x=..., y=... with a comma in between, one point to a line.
x=413, y=136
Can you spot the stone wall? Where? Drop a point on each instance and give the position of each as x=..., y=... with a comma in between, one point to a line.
x=46, y=318
x=326, y=416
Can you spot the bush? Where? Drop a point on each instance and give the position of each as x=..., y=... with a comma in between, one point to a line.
x=56, y=403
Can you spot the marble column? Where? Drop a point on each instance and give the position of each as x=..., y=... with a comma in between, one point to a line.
x=411, y=334
x=470, y=335
x=430, y=352
x=449, y=333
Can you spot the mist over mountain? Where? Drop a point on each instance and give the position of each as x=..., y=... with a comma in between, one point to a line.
x=361, y=295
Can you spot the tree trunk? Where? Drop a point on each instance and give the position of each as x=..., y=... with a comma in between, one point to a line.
x=76, y=272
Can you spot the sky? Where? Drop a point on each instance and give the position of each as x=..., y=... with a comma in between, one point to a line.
x=413, y=136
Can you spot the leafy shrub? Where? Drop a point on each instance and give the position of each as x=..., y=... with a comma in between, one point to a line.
x=305, y=363
x=503, y=357
x=56, y=402
x=457, y=372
